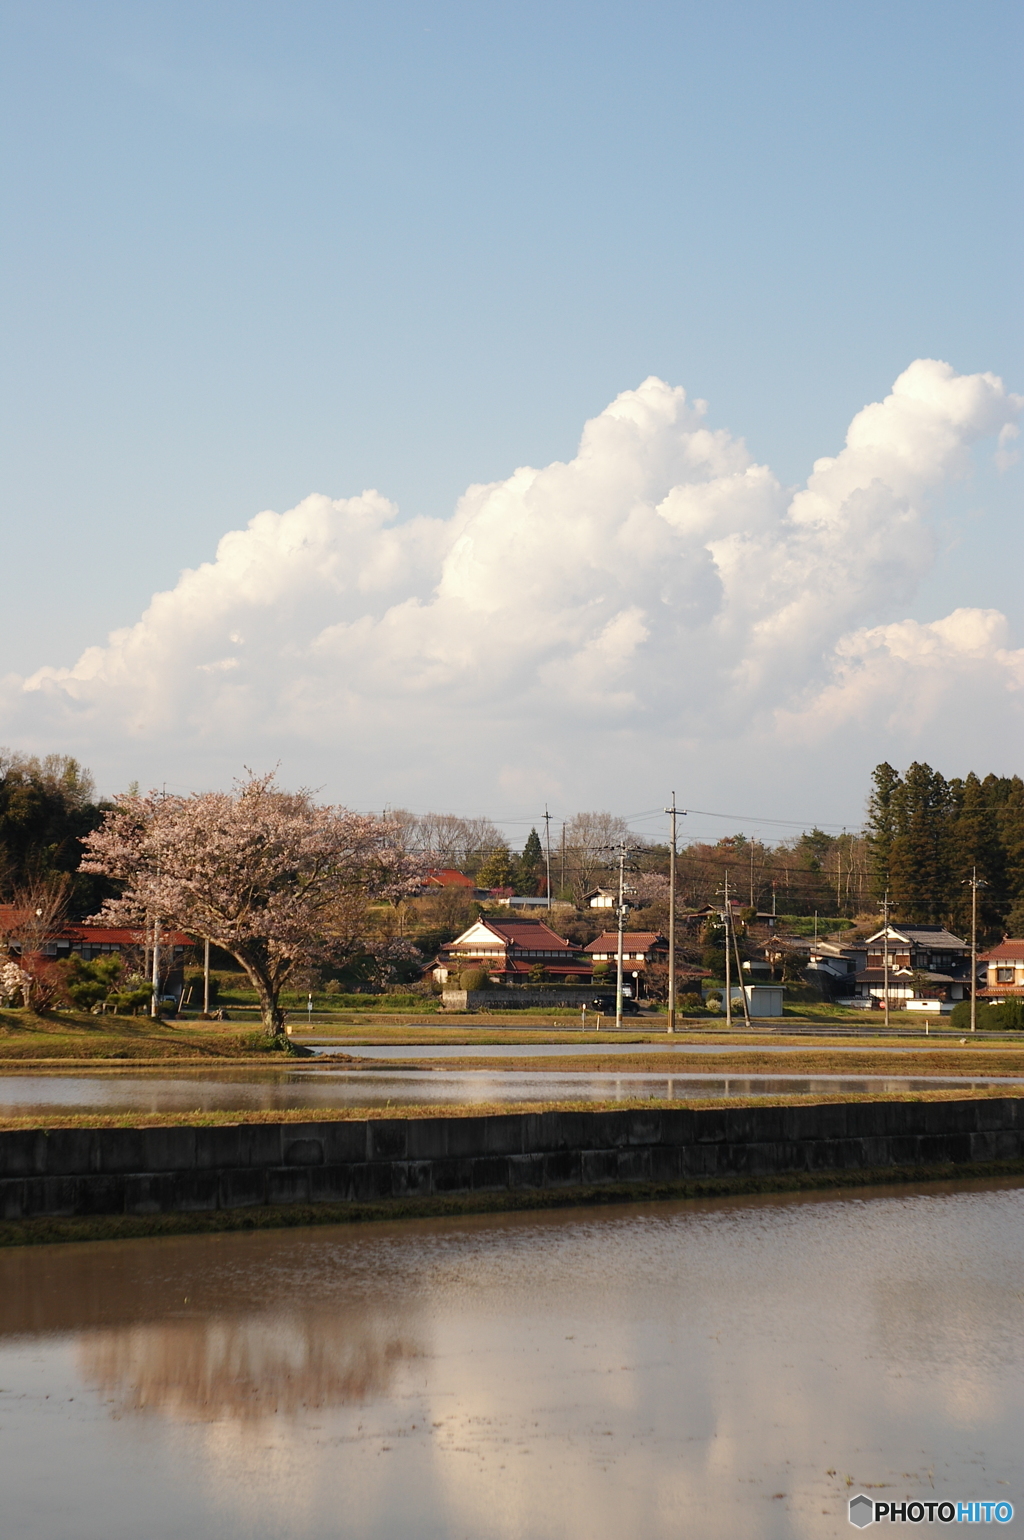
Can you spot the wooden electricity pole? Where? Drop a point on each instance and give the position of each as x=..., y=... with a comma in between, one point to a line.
x=547, y=851
x=728, y=969
x=673, y=813
x=974, y=882
x=885, y=952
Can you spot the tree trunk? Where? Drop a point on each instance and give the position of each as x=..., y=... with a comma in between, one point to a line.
x=271, y=1014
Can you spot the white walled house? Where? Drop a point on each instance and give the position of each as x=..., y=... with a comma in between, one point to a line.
x=1003, y=970
x=928, y=967
x=507, y=950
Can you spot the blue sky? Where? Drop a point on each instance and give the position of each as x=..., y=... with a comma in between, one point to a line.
x=258, y=251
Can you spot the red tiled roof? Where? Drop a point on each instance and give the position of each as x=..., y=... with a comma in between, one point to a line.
x=632, y=941
x=92, y=935
x=447, y=877
x=1008, y=950
x=531, y=935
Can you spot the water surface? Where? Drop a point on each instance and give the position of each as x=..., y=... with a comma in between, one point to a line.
x=269, y=1090
x=716, y=1370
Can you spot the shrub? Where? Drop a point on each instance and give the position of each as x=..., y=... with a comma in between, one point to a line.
x=1007, y=1016
x=691, y=1002
x=472, y=978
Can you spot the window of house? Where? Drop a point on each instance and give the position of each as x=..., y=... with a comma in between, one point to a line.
x=1004, y=976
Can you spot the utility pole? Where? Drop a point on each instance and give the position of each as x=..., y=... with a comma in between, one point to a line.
x=563, y=856
x=547, y=850
x=618, y=952
x=974, y=882
x=206, y=976
x=885, y=952
x=739, y=975
x=728, y=970
x=673, y=813
x=751, y=874
x=154, y=1008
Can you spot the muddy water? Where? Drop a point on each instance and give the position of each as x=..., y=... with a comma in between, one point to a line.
x=718, y=1370
x=269, y=1090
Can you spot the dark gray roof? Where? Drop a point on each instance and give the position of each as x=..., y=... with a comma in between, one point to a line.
x=935, y=937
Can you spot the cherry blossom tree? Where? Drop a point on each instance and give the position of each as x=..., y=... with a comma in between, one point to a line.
x=272, y=877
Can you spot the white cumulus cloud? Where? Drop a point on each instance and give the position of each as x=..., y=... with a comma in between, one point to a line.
x=659, y=595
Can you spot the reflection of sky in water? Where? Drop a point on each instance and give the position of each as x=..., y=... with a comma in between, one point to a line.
x=594, y=1045
x=25, y=1095
x=696, y=1369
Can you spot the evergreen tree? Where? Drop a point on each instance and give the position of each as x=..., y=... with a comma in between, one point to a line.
x=1006, y=795
x=920, y=853
x=531, y=866
x=498, y=869
x=882, y=826
x=975, y=845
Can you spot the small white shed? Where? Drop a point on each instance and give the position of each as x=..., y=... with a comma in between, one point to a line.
x=762, y=999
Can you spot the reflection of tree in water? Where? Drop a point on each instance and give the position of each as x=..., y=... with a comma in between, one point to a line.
x=245, y=1367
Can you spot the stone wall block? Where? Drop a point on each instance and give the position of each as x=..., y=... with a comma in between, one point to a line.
x=330, y=1184
x=427, y=1138
x=287, y=1184
x=490, y=1171
x=343, y=1141
x=196, y=1191
x=371, y=1180
x=306, y=1151
x=14, y=1196
x=993, y=1114
x=410, y=1178
x=228, y=1145
x=667, y=1163
x=633, y=1165
x=525, y=1170
x=23, y=1152
x=561, y=1168
x=598, y=1166
x=120, y=1151
x=678, y=1125
x=68, y=1151
x=453, y=1174
x=148, y=1193
x=710, y=1126
x=100, y=1193
x=244, y=1187
x=387, y=1139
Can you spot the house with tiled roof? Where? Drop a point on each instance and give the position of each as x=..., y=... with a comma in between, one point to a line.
x=447, y=877
x=1003, y=970
x=509, y=950
x=926, y=962
x=90, y=942
x=639, y=947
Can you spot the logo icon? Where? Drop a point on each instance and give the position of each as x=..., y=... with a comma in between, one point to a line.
x=862, y=1511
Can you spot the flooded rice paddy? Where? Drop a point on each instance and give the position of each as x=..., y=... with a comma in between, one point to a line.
x=208, y=1090
x=729, y=1370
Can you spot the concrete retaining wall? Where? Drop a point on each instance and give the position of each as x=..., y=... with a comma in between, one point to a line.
x=163, y=1170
